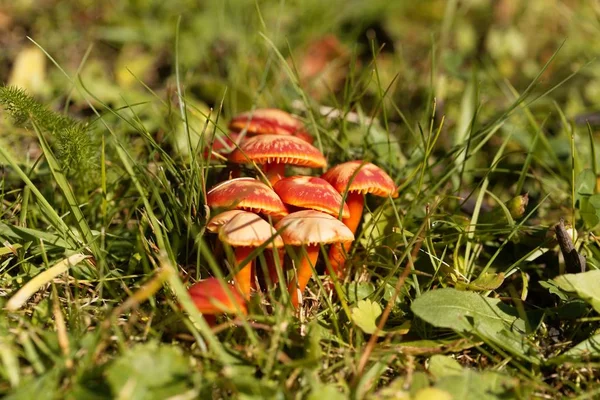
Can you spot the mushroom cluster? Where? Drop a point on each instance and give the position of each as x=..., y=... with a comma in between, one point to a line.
x=271, y=211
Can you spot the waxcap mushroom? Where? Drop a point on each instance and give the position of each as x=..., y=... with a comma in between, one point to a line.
x=311, y=227
x=265, y=121
x=369, y=179
x=313, y=193
x=267, y=149
x=247, y=194
x=248, y=230
x=210, y=297
x=354, y=179
x=274, y=152
x=245, y=231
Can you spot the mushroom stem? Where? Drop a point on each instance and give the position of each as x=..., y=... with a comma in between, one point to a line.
x=243, y=278
x=338, y=251
x=304, y=273
x=274, y=172
x=273, y=276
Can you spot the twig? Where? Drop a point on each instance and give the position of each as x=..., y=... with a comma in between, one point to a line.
x=574, y=261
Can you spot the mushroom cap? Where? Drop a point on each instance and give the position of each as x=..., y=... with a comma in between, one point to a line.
x=247, y=229
x=369, y=179
x=266, y=121
x=246, y=194
x=281, y=149
x=218, y=221
x=210, y=297
x=313, y=193
x=311, y=227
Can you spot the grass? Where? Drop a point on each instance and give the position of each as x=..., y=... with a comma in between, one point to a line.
x=452, y=287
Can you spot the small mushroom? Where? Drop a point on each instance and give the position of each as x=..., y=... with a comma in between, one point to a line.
x=356, y=178
x=246, y=194
x=245, y=231
x=310, y=228
x=275, y=151
x=269, y=121
x=211, y=298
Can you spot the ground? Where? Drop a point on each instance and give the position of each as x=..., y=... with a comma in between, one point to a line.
x=485, y=114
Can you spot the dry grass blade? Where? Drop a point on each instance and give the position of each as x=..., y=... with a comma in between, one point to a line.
x=20, y=298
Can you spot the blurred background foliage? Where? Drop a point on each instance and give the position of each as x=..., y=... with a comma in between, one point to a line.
x=219, y=46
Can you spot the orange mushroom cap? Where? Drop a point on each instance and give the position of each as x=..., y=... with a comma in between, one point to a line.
x=247, y=194
x=247, y=229
x=279, y=149
x=369, y=179
x=313, y=193
x=269, y=121
x=210, y=298
x=312, y=227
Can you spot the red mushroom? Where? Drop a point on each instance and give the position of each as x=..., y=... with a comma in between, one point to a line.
x=246, y=231
x=210, y=297
x=310, y=228
x=312, y=193
x=356, y=178
x=266, y=121
x=275, y=151
x=246, y=194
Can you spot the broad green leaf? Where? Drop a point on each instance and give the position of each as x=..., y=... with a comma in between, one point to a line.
x=149, y=371
x=44, y=387
x=357, y=291
x=441, y=366
x=379, y=227
x=590, y=209
x=469, y=312
x=472, y=385
x=484, y=282
x=585, y=182
x=432, y=393
x=584, y=285
x=554, y=288
x=329, y=392
x=365, y=315
x=589, y=348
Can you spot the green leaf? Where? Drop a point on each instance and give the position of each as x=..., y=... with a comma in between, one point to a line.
x=590, y=209
x=432, y=393
x=585, y=182
x=44, y=387
x=149, y=371
x=584, y=285
x=471, y=385
x=365, y=315
x=379, y=227
x=441, y=366
x=554, y=288
x=357, y=291
x=329, y=392
x=589, y=348
x=484, y=282
x=468, y=312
